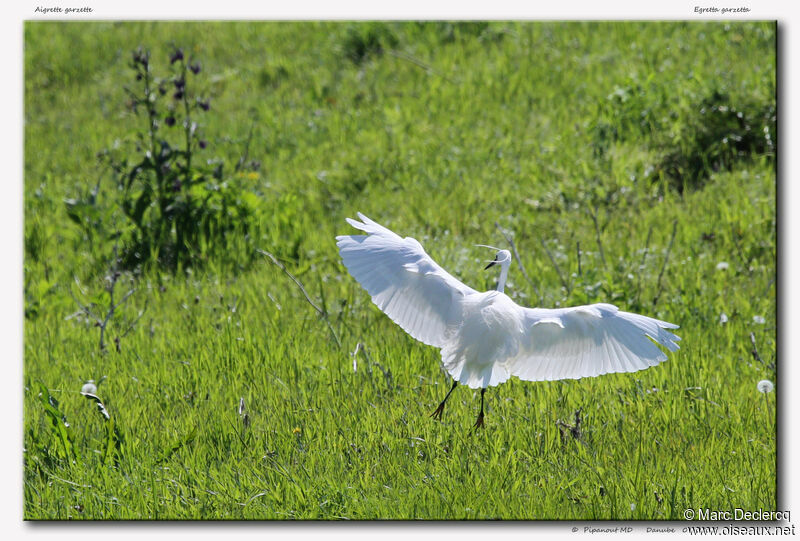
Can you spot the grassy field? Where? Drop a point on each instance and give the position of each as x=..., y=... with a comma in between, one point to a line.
x=632, y=163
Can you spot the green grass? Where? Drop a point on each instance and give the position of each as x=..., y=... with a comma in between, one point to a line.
x=437, y=131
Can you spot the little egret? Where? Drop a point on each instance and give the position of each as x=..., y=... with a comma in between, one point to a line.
x=485, y=338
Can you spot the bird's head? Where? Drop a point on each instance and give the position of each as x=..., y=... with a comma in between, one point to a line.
x=502, y=257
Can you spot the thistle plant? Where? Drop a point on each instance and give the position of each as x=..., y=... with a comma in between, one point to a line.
x=175, y=200
x=157, y=190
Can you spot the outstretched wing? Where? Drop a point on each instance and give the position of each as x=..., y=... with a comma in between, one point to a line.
x=403, y=281
x=586, y=341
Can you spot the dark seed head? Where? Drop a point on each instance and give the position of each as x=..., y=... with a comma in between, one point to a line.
x=169, y=121
x=205, y=105
x=178, y=95
x=177, y=55
x=195, y=67
x=141, y=56
x=202, y=143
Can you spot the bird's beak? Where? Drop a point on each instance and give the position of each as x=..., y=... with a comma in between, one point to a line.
x=491, y=264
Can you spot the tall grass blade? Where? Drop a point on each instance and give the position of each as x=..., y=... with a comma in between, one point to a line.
x=61, y=427
x=113, y=443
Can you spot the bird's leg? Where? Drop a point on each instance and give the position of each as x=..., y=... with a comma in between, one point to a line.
x=438, y=413
x=479, y=422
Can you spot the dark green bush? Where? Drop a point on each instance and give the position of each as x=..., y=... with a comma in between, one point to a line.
x=695, y=138
x=716, y=134
x=363, y=41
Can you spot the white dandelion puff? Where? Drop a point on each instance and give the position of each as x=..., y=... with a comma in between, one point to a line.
x=759, y=319
x=723, y=318
x=89, y=387
x=765, y=386
x=722, y=265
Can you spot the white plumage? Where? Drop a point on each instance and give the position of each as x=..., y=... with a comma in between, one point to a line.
x=485, y=338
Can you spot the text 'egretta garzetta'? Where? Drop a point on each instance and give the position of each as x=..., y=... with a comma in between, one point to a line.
x=485, y=338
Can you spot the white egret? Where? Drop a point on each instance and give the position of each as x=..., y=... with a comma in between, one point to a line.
x=485, y=338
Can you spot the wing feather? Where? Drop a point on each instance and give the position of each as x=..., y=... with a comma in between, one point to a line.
x=403, y=281
x=586, y=341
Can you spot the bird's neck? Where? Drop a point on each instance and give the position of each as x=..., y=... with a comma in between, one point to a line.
x=501, y=282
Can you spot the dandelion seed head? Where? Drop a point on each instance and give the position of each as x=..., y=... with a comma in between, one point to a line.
x=759, y=319
x=722, y=265
x=90, y=388
x=723, y=318
x=765, y=386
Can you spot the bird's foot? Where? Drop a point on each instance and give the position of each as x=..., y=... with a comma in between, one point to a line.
x=479, y=422
x=438, y=413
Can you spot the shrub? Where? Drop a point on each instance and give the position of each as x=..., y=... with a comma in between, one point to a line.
x=363, y=41
x=716, y=134
x=704, y=134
